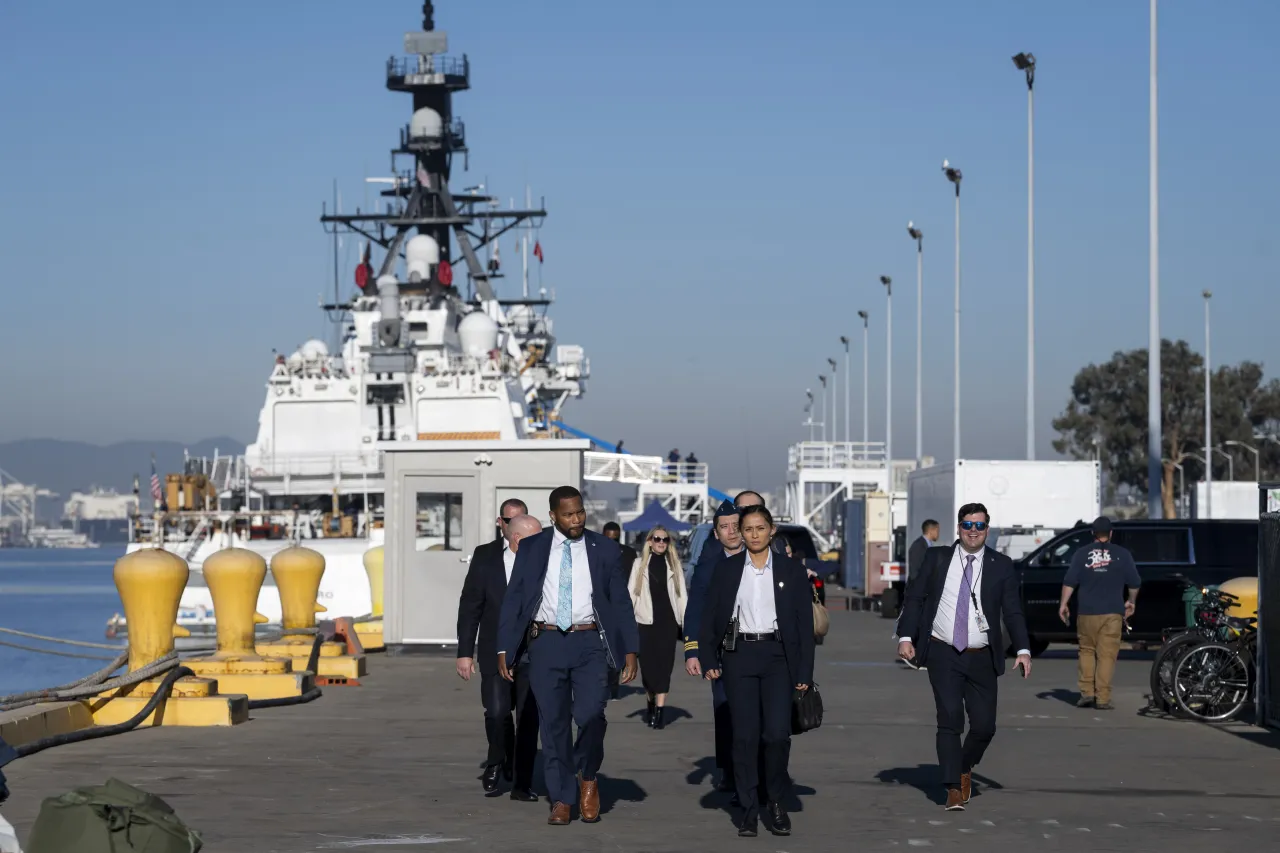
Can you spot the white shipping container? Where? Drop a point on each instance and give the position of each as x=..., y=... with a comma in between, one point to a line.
x=1018, y=493
x=1231, y=499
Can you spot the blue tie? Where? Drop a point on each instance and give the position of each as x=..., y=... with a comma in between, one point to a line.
x=564, y=606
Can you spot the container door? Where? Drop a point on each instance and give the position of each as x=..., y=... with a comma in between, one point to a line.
x=444, y=514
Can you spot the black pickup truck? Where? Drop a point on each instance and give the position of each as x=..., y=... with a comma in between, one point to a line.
x=1169, y=555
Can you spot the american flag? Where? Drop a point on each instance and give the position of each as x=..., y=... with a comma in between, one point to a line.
x=155, y=483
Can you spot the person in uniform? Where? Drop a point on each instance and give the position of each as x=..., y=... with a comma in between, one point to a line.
x=567, y=605
x=512, y=745
x=757, y=636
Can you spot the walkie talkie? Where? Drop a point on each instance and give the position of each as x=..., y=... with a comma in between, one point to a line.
x=730, y=641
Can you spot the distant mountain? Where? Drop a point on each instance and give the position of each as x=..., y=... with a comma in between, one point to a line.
x=68, y=466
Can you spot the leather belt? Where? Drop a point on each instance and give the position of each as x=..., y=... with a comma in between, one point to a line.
x=970, y=650
x=551, y=626
x=759, y=638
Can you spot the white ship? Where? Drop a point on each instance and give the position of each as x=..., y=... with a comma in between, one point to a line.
x=422, y=356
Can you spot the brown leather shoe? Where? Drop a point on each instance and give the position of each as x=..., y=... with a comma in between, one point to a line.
x=559, y=815
x=588, y=800
x=955, y=800
x=966, y=787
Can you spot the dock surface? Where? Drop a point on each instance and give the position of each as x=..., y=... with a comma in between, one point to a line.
x=394, y=765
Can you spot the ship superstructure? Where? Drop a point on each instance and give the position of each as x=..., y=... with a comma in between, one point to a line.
x=426, y=350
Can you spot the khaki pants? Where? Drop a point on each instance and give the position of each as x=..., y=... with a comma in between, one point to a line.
x=1099, y=648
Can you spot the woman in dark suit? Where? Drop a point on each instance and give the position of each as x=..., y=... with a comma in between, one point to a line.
x=760, y=599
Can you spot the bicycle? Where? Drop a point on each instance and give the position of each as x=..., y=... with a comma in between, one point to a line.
x=1210, y=623
x=1213, y=681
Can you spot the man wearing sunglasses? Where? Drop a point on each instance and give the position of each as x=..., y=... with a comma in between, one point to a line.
x=512, y=744
x=950, y=624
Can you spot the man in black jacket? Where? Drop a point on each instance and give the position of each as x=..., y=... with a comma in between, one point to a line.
x=512, y=746
x=950, y=624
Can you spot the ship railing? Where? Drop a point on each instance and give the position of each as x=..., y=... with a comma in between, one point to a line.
x=455, y=133
x=620, y=468
x=453, y=68
x=314, y=464
x=836, y=454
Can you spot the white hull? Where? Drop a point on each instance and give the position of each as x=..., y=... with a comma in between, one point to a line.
x=344, y=587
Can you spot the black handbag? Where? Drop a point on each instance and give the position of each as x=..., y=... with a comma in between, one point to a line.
x=806, y=710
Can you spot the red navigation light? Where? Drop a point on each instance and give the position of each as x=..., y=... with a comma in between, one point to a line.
x=444, y=273
x=363, y=274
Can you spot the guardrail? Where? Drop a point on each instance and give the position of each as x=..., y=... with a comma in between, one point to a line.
x=836, y=454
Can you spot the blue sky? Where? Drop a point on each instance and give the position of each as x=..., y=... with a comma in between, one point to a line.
x=726, y=181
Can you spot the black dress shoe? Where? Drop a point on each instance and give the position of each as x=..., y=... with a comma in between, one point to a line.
x=490, y=778
x=648, y=713
x=523, y=795
x=659, y=717
x=779, y=822
x=750, y=827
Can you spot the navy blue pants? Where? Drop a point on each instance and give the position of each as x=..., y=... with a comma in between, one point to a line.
x=759, y=690
x=569, y=676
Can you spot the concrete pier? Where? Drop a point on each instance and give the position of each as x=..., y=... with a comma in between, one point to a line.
x=395, y=765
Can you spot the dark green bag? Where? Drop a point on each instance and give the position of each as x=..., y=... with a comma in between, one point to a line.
x=110, y=818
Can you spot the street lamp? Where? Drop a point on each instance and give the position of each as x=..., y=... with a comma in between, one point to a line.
x=1257, y=458
x=954, y=176
x=1026, y=62
x=808, y=410
x=1208, y=412
x=1231, y=463
x=918, y=236
x=835, y=419
x=844, y=340
x=865, y=320
x=888, y=377
x=1155, y=441
x=823, y=400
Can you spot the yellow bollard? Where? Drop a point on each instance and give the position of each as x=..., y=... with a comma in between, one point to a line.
x=1245, y=589
x=150, y=582
x=297, y=572
x=373, y=564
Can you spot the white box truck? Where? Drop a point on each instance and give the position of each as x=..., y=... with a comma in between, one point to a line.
x=1231, y=499
x=1029, y=501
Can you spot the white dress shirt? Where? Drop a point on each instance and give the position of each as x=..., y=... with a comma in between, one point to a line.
x=508, y=558
x=755, y=606
x=582, y=610
x=944, y=622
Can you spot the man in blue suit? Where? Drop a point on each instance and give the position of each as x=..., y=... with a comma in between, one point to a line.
x=567, y=603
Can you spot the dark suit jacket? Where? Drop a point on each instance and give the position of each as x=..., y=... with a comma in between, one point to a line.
x=609, y=598
x=791, y=597
x=999, y=594
x=711, y=554
x=481, y=605
x=915, y=556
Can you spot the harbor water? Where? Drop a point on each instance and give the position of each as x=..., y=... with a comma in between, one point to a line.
x=65, y=593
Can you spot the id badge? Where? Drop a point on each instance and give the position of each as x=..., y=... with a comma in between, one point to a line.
x=982, y=623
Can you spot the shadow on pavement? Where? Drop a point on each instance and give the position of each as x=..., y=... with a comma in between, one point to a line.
x=671, y=714
x=1069, y=697
x=614, y=790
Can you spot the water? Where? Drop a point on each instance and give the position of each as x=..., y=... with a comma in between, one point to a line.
x=60, y=593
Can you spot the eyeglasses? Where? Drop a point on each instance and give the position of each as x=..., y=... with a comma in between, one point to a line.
x=973, y=525
x=663, y=539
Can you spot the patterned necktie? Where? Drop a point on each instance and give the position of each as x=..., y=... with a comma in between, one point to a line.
x=564, y=605
x=960, y=633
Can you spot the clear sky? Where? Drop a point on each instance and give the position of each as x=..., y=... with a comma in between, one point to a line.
x=726, y=181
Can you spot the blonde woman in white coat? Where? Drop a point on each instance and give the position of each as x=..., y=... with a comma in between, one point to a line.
x=658, y=597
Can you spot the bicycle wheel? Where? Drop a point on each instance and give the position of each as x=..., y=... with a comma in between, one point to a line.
x=1162, y=695
x=1211, y=682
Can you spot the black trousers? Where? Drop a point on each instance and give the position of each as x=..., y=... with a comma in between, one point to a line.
x=759, y=690
x=514, y=741
x=963, y=682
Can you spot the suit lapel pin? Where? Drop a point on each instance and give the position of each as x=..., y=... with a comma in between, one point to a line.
x=780, y=584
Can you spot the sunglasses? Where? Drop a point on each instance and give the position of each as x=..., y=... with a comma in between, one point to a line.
x=973, y=525
x=663, y=539
x=509, y=519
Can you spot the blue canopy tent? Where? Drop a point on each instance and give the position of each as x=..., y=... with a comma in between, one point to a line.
x=652, y=516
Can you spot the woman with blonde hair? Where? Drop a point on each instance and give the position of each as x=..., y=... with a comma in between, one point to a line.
x=658, y=597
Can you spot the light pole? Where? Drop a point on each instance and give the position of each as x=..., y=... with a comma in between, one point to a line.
x=1231, y=463
x=844, y=340
x=1257, y=458
x=1026, y=62
x=1208, y=413
x=888, y=377
x=954, y=176
x=1155, y=441
x=918, y=236
x=865, y=322
x=823, y=398
x=808, y=410
x=835, y=415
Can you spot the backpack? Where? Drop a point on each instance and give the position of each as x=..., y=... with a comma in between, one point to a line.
x=110, y=818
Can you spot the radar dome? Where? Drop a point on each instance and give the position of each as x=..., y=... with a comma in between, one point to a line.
x=426, y=122
x=478, y=333
x=295, y=361
x=314, y=350
x=420, y=255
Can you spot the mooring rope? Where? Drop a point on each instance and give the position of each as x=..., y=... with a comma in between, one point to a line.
x=55, y=652
x=31, y=636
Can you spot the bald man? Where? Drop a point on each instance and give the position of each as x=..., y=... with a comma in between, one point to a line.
x=512, y=745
